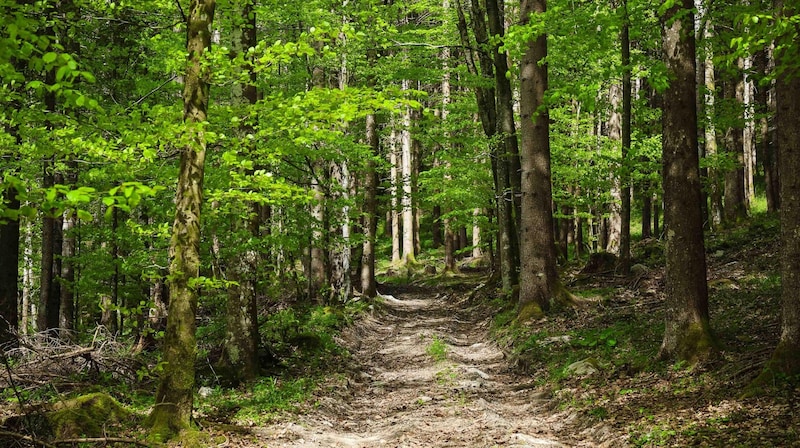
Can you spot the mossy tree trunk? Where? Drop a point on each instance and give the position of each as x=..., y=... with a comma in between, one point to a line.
x=687, y=335
x=538, y=277
x=174, y=397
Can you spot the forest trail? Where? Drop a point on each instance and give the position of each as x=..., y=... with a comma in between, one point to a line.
x=399, y=395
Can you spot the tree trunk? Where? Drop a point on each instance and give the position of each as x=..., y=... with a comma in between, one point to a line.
x=66, y=314
x=766, y=148
x=509, y=149
x=537, y=246
x=625, y=178
x=715, y=206
x=174, y=397
x=735, y=204
x=394, y=163
x=48, y=299
x=647, y=214
x=368, y=283
x=687, y=334
x=240, y=352
x=9, y=269
x=407, y=209
x=477, y=250
x=785, y=361
x=614, y=227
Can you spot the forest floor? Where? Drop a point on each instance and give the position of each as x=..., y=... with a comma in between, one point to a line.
x=424, y=373
x=441, y=363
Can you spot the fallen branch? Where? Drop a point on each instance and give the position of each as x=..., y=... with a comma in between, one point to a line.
x=30, y=439
x=102, y=440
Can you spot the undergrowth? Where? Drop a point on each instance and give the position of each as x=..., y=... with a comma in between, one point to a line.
x=654, y=402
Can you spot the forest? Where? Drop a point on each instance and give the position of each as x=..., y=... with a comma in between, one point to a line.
x=221, y=216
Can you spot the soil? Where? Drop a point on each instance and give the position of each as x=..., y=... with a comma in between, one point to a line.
x=398, y=394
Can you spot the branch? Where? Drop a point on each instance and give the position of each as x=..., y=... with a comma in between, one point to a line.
x=102, y=440
x=135, y=103
x=19, y=436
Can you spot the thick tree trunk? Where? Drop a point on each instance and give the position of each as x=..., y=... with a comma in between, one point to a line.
x=537, y=246
x=174, y=397
x=785, y=361
x=9, y=269
x=687, y=334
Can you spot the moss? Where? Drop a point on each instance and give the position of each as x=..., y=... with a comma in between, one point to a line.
x=697, y=344
x=87, y=415
x=529, y=311
x=783, y=367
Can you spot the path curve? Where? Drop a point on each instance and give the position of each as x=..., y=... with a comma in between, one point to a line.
x=400, y=396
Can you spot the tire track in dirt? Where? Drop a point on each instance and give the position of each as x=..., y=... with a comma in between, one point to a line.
x=400, y=396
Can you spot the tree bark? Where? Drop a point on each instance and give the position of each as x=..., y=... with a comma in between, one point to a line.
x=766, y=149
x=687, y=334
x=174, y=397
x=785, y=361
x=735, y=208
x=9, y=269
x=407, y=209
x=240, y=352
x=537, y=246
x=625, y=178
x=370, y=210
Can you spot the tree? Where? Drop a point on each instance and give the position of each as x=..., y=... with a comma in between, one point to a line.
x=240, y=354
x=9, y=262
x=785, y=360
x=537, y=245
x=172, y=412
x=687, y=335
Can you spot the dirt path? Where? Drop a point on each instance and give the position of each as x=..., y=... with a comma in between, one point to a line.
x=400, y=396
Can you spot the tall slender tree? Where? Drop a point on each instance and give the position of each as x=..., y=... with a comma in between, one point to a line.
x=174, y=402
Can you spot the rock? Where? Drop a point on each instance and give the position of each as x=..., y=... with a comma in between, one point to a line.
x=563, y=339
x=430, y=270
x=639, y=269
x=585, y=367
x=205, y=391
x=473, y=373
x=422, y=399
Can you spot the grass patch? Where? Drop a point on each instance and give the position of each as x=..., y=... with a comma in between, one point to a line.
x=437, y=349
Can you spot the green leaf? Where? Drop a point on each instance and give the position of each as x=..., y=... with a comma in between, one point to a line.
x=83, y=215
x=49, y=58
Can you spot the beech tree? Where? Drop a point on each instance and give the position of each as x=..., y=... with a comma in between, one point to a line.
x=172, y=412
x=687, y=334
x=538, y=276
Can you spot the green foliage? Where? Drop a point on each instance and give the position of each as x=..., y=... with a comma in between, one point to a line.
x=259, y=404
x=437, y=349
